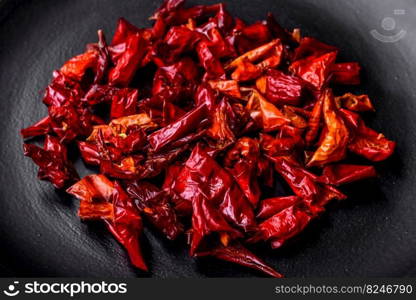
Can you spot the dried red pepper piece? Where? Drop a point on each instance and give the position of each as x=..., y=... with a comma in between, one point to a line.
x=53, y=162
x=226, y=108
x=101, y=198
x=99, y=94
x=283, y=225
x=124, y=103
x=178, y=40
x=241, y=162
x=182, y=205
x=211, y=64
x=315, y=70
x=95, y=193
x=295, y=117
x=336, y=137
x=123, y=31
x=342, y=173
x=246, y=71
x=228, y=87
x=62, y=90
x=238, y=254
x=219, y=46
x=69, y=122
x=76, y=67
x=206, y=220
x=310, y=47
x=155, y=205
x=103, y=60
x=271, y=206
x=302, y=182
x=127, y=62
x=202, y=173
x=306, y=184
x=280, y=88
x=174, y=82
x=220, y=130
x=264, y=113
x=127, y=226
x=279, y=32
x=346, y=73
x=41, y=127
x=371, y=144
x=279, y=146
x=353, y=102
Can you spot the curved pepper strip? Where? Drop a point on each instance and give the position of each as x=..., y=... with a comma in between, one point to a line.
x=281, y=88
x=155, y=206
x=41, y=127
x=95, y=193
x=246, y=71
x=219, y=130
x=358, y=103
x=127, y=226
x=228, y=87
x=271, y=206
x=266, y=115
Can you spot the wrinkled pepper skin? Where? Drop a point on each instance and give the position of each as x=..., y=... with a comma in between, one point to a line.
x=53, y=162
x=336, y=137
x=154, y=204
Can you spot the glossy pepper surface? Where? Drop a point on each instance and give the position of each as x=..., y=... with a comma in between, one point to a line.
x=189, y=122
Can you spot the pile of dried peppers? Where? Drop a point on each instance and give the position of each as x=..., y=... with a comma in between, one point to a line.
x=189, y=120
